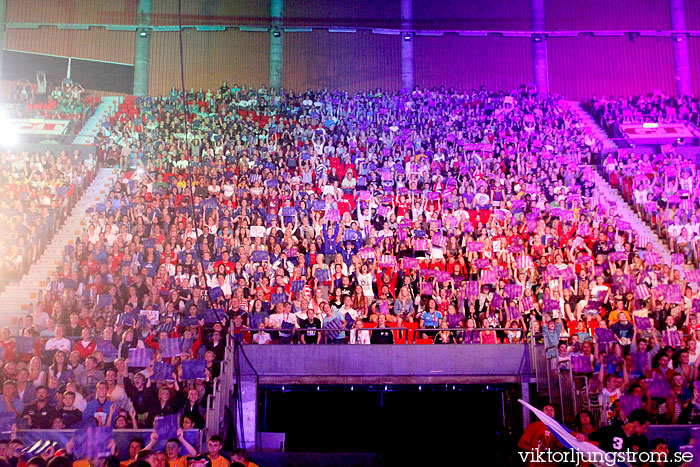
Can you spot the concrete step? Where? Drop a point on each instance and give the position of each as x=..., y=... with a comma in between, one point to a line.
x=17, y=296
x=610, y=194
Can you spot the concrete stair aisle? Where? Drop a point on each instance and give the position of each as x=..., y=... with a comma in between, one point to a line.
x=17, y=296
x=591, y=125
x=637, y=225
x=611, y=194
x=108, y=105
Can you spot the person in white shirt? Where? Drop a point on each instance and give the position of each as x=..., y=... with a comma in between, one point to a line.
x=262, y=337
x=80, y=403
x=693, y=225
x=640, y=194
x=59, y=342
x=40, y=318
x=358, y=335
x=348, y=309
x=284, y=314
x=674, y=229
x=115, y=391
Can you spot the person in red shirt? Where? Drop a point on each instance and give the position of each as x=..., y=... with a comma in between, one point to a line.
x=85, y=347
x=386, y=277
x=92, y=264
x=8, y=345
x=116, y=259
x=403, y=206
x=225, y=261
x=537, y=438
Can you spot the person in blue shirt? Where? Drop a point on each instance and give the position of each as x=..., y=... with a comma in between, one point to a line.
x=150, y=262
x=330, y=244
x=331, y=313
x=431, y=318
x=347, y=252
x=97, y=410
x=11, y=402
x=551, y=333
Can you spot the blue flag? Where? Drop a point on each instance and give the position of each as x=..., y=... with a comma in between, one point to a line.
x=194, y=369
x=169, y=347
x=140, y=358
x=91, y=443
x=163, y=371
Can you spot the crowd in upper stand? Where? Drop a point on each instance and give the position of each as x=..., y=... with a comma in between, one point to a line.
x=67, y=101
x=653, y=107
x=43, y=98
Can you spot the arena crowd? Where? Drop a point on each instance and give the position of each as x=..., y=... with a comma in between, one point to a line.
x=430, y=217
x=40, y=189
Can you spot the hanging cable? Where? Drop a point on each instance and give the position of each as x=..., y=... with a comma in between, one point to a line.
x=198, y=247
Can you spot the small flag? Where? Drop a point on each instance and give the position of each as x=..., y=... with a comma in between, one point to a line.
x=170, y=347
x=642, y=292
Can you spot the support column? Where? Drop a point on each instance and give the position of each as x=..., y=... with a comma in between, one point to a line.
x=142, y=48
x=539, y=47
x=525, y=395
x=684, y=80
x=408, y=79
x=3, y=19
x=249, y=392
x=276, y=45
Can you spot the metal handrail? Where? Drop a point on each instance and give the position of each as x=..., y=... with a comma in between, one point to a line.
x=414, y=331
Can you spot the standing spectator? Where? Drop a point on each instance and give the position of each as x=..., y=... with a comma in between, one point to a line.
x=537, y=437
x=164, y=406
x=142, y=393
x=214, y=444
x=311, y=322
x=193, y=409
x=629, y=437
x=551, y=338
x=25, y=388
x=623, y=330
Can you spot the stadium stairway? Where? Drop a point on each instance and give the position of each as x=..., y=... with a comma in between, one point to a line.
x=17, y=296
x=637, y=225
x=590, y=125
x=107, y=106
x=610, y=194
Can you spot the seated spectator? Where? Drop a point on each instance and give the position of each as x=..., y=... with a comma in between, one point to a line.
x=214, y=445
x=11, y=403
x=381, y=334
x=97, y=410
x=85, y=346
x=89, y=376
x=40, y=414
x=59, y=341
x=135, y=445
x=69, y=414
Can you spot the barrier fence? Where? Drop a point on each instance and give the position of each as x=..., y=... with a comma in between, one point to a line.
x=402, y=334
x=121, y=437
